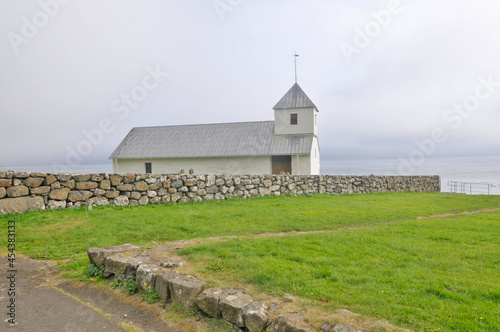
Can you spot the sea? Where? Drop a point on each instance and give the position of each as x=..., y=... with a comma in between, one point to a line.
x=469, y=175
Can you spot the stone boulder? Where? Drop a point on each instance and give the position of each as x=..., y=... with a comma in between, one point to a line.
x=56, y=205
x=256, y=316
x=208, y=301
x=97, y=256
x=338, y=328
x=146, y=275
x=33, y=182
x=231, y=305
x=162, y=283
x=121, y=201
x=122, y=266
x=17, y=191
x=40, y=190
x=81, y=177
x=21, y=204
x=5, y=182
x=86, y=185
x=59, y=194
x=79, y=195
x=290, y=322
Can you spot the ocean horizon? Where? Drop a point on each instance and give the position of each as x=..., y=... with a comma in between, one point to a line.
x=477, y=170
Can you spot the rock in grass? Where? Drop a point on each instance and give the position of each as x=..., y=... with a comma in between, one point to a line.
x=231, y=305
x=208, y=301
x=290, y=322
x=123, y=266
x=146, y=275
x=97, y=256
x=256, y=316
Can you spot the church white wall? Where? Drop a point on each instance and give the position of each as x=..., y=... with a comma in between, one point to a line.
x=315, y=157
x=306, y=124
x=229, y=165
x=301, y=164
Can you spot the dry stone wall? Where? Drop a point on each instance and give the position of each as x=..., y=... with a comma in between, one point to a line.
x=23, y=191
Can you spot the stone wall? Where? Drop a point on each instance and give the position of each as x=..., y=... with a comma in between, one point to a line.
x=23, y=191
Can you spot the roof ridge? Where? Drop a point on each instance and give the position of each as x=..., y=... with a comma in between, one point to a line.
x=203, y=124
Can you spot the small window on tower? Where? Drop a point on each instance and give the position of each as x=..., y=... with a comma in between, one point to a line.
x=293, y=119
x=149, y=168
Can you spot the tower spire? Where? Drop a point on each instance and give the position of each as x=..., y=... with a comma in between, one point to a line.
x=295, y=58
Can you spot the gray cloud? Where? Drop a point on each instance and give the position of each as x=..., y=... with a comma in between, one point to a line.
x=64, y=80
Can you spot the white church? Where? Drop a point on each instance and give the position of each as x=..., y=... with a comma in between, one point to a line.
x=287, y=145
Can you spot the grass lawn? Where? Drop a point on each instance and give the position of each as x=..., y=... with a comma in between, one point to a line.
x=378, y=260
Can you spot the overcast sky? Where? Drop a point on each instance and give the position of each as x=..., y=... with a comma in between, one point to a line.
x=76, y=76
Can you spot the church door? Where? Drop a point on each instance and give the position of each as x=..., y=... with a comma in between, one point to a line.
x=282, y=164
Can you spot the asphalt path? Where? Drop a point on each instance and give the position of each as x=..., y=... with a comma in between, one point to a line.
x=43, y=302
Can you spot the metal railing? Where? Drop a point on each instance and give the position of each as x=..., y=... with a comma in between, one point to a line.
x=468, y=188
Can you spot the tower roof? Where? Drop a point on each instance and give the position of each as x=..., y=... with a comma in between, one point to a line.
x=294, y=98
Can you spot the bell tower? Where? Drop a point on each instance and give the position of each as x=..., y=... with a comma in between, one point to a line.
x=295, y=114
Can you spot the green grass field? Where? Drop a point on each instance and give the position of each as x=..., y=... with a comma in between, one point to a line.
x=375, y=258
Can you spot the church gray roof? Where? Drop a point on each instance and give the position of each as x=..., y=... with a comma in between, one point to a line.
x=294, y=98
x=210, y=140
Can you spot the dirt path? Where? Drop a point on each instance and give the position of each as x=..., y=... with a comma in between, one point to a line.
x=458, y=213
x=199, y=241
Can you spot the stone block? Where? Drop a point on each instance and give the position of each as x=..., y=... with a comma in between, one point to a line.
x=338, y=328
x=185, y=289
x=79, y=196
x=141, y=186
x=190, y=182
x=112, y=194
x=86, y=185
x=69, y=184
x=62, y=177
x=144, y=200
x=17, y=191
x=56, y=205
x=231, y=305
x=81, y=177
x=59, y=194
x=146, y=275
x=290, y=322
x=33, y=182
x=39, y=190
x=162, y=283
x=3, y=192
x=121, y=201
x=105, y=184
x=125, y=187
x=129, y=178
x=155, y=186
x=55, y=185
x=21, y=204
x=49, y=180
x=208, y=301
x=97, y=256
x=256, y=316
x=99, y=201
x=212, y=189
x=21, y=175
x=99, y=192
x=96, y=177
x=135, y=195
x=123, y=266
x=5, y=182
x=115, y=180
x=176, y=184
